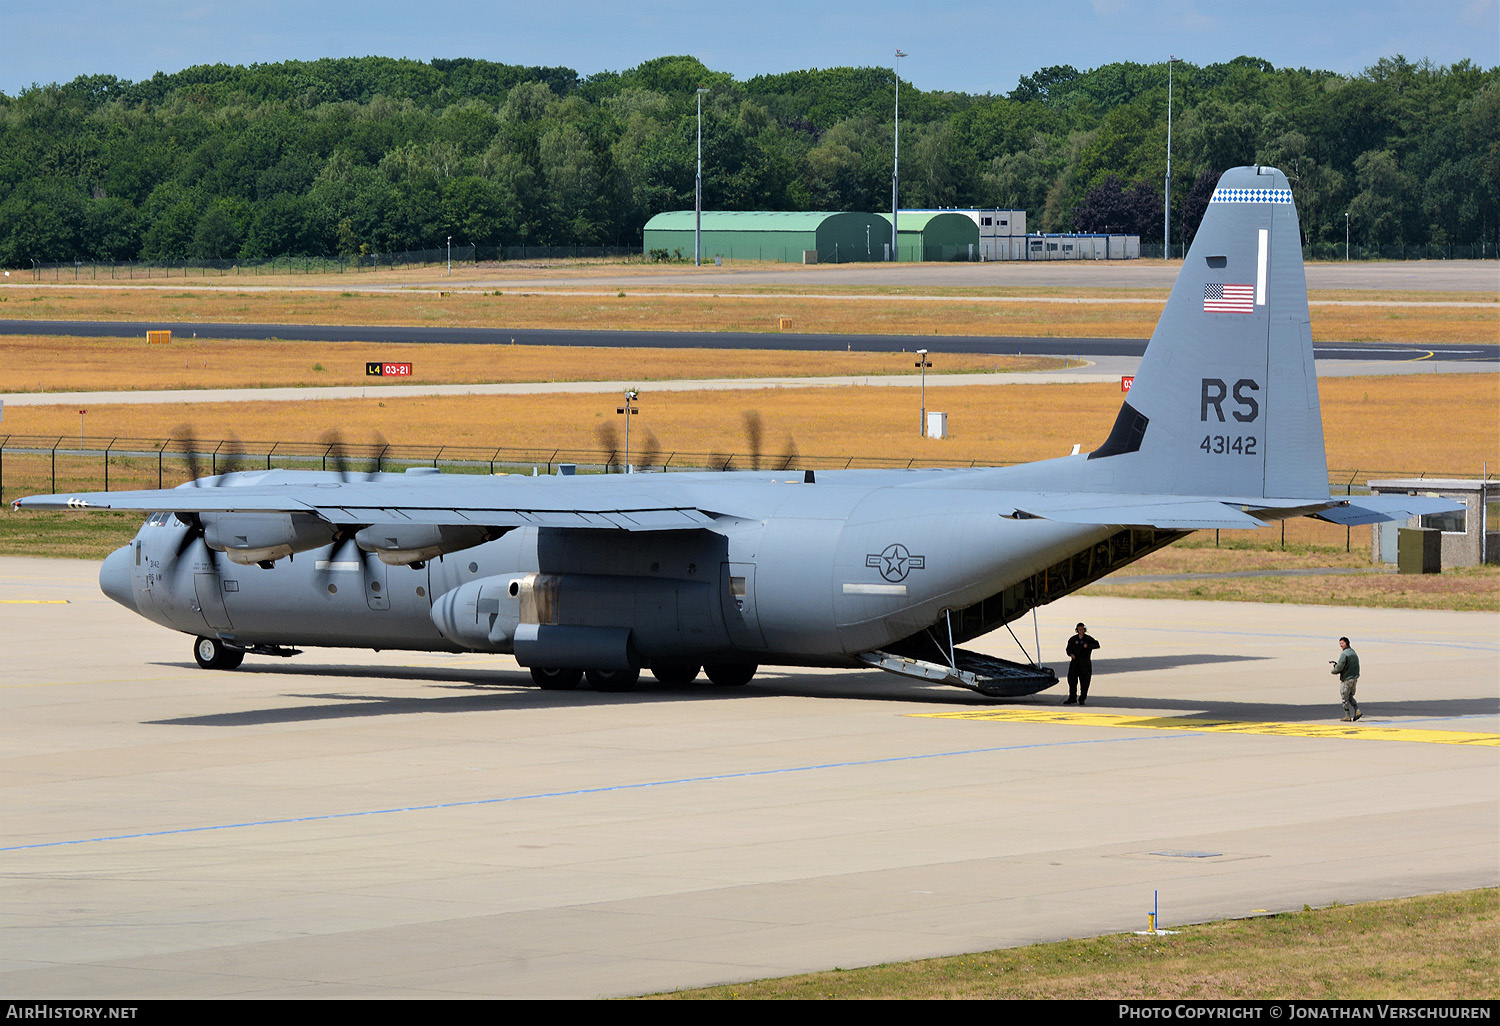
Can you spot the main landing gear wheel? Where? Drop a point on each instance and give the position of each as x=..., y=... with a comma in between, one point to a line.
x=213, y=654
x=730, y=675
x=613, y=680
x=675, y=674
x=550, y=679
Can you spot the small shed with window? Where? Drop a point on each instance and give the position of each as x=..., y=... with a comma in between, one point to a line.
x=1468, y=535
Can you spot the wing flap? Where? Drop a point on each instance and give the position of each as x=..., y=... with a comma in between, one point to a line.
x=1159, y=511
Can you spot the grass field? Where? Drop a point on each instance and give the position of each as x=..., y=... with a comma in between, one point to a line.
x=1474, y=589
x=1438, y=947
x=1441, y=424
x=957, y=312
x=30, y=363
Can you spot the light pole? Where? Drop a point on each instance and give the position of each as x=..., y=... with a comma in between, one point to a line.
x=450, y=256
x=697, y=194
x=1166, y=227
x=629, y=410
x=896, y=160
x=922, y=365
x=1346, y=236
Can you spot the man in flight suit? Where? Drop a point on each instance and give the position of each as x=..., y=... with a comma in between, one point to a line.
x=1347, y=668
x=1080, y=665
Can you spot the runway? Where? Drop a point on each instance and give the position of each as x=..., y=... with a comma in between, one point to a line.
x=398, y=825
x=1485, y=356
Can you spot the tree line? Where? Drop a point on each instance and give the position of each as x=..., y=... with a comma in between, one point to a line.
x=356, y=156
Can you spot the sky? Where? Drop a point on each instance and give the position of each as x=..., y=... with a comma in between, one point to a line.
x=963, y=45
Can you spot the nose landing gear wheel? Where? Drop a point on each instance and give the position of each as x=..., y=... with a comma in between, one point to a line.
x=549, y=679
x=213, y=654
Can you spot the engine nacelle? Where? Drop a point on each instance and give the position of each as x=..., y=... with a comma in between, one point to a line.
x=258, y=537
x=404, y=544
x=481, y=615
x=582, y=620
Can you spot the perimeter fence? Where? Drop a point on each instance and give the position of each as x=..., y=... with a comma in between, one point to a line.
x=131, y=270
x=52, y=464
x=31, y=464
x=1337, y=251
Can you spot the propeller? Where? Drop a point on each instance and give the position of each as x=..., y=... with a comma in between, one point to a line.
x=232, y=455
x=608, y=437
x=182, y=434
x=228, y=457
x=755, y=438
x=345, y=550
x=788, y=455
x=650, y=452
x=754, y=432
x=337, y=452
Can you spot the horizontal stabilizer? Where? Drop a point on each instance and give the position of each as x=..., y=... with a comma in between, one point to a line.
x=1376, y=509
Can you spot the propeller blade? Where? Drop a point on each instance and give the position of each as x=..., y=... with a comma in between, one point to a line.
x=344, y=550
x=754, y=433
x=651, y=452
x=193, y=533
x=609, y=441
x=233, y=456
x=378, y=448
x=788, y=455
x=335, y=452
x=182, y=434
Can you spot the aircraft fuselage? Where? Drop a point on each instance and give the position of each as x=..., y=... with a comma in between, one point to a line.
x=852, y=563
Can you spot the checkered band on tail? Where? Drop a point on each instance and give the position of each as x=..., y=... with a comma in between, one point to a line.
x=1224, y=194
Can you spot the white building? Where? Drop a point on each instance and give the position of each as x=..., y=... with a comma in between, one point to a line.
x=1002, y=236
x=1083, y=247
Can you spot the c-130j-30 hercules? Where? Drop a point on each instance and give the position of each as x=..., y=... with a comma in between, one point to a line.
x=679, y=572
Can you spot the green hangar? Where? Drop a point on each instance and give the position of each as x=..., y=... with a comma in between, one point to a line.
x=935, y=235
x=787, y=236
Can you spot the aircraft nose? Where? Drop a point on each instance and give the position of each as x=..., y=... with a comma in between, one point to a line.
x=114, y=578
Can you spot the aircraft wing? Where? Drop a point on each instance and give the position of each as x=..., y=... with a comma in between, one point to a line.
x=452, y=501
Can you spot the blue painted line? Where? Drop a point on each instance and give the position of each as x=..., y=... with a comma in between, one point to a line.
x=599, y=790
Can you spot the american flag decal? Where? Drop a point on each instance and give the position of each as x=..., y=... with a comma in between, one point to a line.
x=1218, y=298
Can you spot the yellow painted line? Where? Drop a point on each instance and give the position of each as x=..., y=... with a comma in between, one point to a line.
x=1346, y=730
x=34, y=602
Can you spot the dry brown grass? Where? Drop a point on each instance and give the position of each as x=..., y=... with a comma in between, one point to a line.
x=1437, y=947
x=1474, y=589
x=42, y=363
x=693, y=311
x=1444, y=424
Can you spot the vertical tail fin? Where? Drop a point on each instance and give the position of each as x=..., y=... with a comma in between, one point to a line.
x=1226, y=398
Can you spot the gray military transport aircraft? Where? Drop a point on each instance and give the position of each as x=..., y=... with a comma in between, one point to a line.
x=726, y=572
